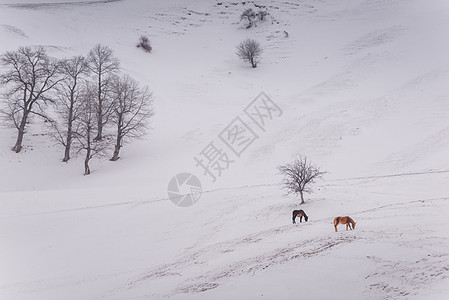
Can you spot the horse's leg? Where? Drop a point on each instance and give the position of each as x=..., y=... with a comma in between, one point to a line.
x=293, y=218
x=347, y=226
x=300, y=219
x=335, y=225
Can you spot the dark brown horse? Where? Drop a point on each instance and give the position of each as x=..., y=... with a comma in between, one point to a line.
x=299, y=213
x=344, y=220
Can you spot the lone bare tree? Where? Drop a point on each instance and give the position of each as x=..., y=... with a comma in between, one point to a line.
x=85, y=126
x=68, y=104
x=132, y=111
x=250, y=50
x=30, y=75
x=104, y=66
x=298, y=175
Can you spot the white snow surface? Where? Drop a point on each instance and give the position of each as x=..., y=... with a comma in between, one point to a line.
x=363, y=85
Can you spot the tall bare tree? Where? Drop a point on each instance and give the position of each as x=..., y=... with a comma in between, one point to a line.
x=132, y=111
x=298, y=175
x=104, y=66
x=30, y=75
x=86, y=125
x=250, y=50
x=68, y=104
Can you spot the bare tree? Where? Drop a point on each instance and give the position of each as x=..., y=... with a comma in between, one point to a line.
x=85, y=126
x=250, y=16
x=132, y=111
x=30, y=75
x=262, y=14
x=298, y=175
x=104, y=66
x=250, y=50
x=68, y=104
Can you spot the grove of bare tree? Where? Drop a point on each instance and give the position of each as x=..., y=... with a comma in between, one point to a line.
x=95, y=108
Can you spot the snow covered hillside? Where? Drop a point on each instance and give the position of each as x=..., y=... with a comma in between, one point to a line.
x=363, y=89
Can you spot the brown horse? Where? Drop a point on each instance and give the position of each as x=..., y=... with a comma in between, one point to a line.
x=344, y=220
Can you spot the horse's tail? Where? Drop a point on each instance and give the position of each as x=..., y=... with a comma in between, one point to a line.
x=336, y=221
x=294, y=214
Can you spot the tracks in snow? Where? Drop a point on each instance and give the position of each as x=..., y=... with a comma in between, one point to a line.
x=206, y=268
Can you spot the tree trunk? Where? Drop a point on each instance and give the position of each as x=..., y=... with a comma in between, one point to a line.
x=69, y=131
x=302, y=197
x=116, y=153
x=67, y=148
x=100, y=122
x=88, y=151
x=99, y=111
x=252, y=63
x=117, y=146
x=18, y=146
x=69, y=140
x=86, y=163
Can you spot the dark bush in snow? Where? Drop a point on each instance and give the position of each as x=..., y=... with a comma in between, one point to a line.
x=251, y=17
x=262, y=14
x=144, y=43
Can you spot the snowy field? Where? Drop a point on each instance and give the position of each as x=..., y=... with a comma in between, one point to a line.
x=363, y=86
